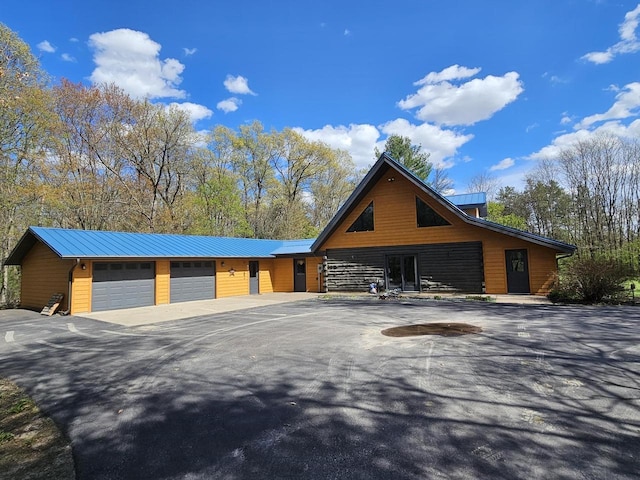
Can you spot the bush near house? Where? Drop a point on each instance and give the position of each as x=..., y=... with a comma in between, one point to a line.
x=592, y=280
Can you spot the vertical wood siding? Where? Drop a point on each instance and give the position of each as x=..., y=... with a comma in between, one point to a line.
x=81, y=292
x=395, y=224
x=163, y=282
x=44, y=274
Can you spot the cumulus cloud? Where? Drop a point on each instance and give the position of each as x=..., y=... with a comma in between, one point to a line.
x=444, y=100
x=569, y=139
x=628, y=40
x=45, y=46
x=229, y=105
x=502, y=165
x=441, y=143
x=189, y=51
x=67, y=58
x=131, y=60
x=195, y=111
x=626, y=105
x=238, y=85
x=357, y=139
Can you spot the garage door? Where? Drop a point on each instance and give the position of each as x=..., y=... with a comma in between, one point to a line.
x=122, y=285
x=192, y=281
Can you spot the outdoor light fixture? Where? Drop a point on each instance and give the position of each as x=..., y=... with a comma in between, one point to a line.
x=222, y=263
x=232, y=271
x=83, y=266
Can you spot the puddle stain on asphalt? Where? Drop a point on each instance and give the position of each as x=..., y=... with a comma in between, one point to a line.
x=443, y=329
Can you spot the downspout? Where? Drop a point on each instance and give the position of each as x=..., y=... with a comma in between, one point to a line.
x=68, y=310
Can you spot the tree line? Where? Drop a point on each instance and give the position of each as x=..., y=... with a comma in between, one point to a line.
x=93, y=157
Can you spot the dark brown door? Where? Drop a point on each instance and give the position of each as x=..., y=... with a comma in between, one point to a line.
x=517, y=271
x=299, y=275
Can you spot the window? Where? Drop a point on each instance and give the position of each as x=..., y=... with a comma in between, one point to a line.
x=427, y=217
x=364, y=223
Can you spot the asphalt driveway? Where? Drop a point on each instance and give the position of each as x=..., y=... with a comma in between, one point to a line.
x=312, y=390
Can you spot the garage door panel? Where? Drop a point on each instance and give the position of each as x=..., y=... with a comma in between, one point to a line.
x=192, y=281
x=122, y=285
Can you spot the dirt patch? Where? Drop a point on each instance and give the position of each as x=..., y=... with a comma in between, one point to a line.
x=443, y=329
x=31, y=446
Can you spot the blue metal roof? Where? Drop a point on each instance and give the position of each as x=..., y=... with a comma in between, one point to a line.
x=68, y=243
x=468, y=199
x=291, y=247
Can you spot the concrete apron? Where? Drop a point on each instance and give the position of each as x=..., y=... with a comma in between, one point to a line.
x=134, y=317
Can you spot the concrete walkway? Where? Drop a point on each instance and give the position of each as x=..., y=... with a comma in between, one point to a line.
x=133, y=317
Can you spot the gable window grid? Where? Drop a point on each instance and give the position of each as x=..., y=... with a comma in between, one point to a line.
x=427, y=216
x=364, y=223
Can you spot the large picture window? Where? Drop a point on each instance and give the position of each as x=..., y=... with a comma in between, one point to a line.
x=364, y=223
x=427, y=216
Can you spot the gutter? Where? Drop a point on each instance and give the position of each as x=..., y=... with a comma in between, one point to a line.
x=68, y=310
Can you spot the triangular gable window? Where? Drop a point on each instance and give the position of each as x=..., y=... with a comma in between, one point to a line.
x=364, y=223
x=427, y=216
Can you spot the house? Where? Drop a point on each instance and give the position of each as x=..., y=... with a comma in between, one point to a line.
x=393, y=230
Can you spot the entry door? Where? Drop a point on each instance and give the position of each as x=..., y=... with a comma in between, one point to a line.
x=402, y=272
x=254, y=281
x=299, y=275
x=517, y=271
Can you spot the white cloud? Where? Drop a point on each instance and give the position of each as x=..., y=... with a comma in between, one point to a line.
x=67, y=58
x=502, y=165
x=566, y=119
x=45, y=46
x=441, y=143
x=238, y=85
x=628, y=40
x=189, y=51
x=626, y=105
x=569, y=139
x=130, y=59
x=454, y=72
x=444, y=103
x=357, y=139
x=531, y=127
x=196, y=112
x=229, y=105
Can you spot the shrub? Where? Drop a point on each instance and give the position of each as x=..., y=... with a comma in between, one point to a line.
x=591, y=280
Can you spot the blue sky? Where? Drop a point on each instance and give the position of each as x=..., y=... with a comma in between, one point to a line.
x=484, y=86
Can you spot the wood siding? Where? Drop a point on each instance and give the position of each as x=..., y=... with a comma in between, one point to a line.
x=163, y=282
x=44, y=274
x=81, y=292
x=266, y=274
x=441, y=267
x=312, y=274
x=231, y=284
x=396, y=225
x=283, y=275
